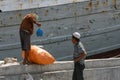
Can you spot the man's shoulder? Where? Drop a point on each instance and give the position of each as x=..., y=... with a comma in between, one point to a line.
x=81, y=45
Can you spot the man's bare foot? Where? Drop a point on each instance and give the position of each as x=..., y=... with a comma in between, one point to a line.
x=24, y=62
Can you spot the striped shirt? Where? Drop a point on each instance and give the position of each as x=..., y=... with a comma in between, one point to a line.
x=78, y=50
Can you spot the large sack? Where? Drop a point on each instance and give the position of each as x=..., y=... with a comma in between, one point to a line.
x=39, y=56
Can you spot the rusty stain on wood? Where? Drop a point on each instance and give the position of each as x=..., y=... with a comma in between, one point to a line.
x=68, y=8
x=114, y=1
x=38, y=5
x=113, y=17
x=74, y=0
x=57, y=10
x=56, y=1
x=90, y=4
x=115, y=4
x=87, y=9
x=20, y=6
x=4, y=25
x=97, y=2
x=46, y=12
x=119, y=14
x=104, y=3
x=103, y=11
x=11, y=17
x=31, y=1
x=20, y=15
x=75, y=14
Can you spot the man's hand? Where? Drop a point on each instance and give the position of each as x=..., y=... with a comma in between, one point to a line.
x=76, y=60
x=80, y=57
x=38, y=24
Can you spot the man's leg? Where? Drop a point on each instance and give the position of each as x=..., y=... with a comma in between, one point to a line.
x=79, y=73
x=74, y=77
x=26, y=61
x=25, y=44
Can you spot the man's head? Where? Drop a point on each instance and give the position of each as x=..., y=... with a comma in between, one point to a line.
x=35, y=16
x=76, y=37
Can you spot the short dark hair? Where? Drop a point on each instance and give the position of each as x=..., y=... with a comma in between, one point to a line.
x=76, y=38
x=0, y=10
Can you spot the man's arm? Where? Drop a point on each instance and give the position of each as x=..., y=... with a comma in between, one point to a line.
x=37, y=23
x=80, y=57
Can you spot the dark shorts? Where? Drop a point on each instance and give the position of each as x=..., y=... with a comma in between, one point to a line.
x=25, y=39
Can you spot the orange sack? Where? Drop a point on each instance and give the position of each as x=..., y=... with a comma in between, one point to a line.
x=39, y=56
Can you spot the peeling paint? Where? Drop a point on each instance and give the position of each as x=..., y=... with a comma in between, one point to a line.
x=59, y=28
x=91, y=21
x=57, y=10
x=119, y=14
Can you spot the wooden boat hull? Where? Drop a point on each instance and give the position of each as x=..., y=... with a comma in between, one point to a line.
x=99, y=25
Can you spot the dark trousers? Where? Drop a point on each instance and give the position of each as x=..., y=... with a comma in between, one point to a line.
x=78, y=71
